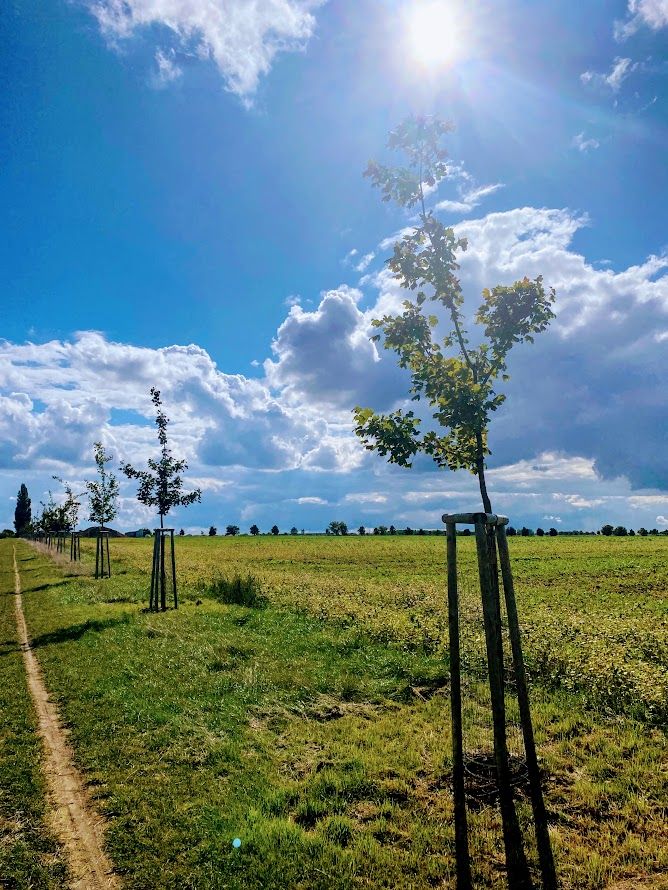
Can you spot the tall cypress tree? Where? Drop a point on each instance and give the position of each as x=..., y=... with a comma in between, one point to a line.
x=23, y=511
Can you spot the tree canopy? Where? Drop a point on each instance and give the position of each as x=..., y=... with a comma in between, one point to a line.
x=457, y=376
x=161, y=485
x=103, y=491
x=23, y=510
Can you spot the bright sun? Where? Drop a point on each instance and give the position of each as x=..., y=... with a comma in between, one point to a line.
x=436, y=32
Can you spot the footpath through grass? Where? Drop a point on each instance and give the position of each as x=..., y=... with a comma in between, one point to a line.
x=29, y=856
x=323, y=748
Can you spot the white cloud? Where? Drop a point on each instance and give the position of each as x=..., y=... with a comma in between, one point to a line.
x=576, y=500
x=582, y=427
x=652, y=13
x=168, y=69
x=613, y=80
x=366, y=497
x=242, y=38
x=325, y=357
x=583, y=144
x=662, y=520
x=365, y=261
x=470, y=196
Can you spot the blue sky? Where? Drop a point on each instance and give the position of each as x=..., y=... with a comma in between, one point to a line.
x=183, y=206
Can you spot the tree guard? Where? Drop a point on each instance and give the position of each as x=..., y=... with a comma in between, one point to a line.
x=492, y=550
x=163, y=571
x=102, y=560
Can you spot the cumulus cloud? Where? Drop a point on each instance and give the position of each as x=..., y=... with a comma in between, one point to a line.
x=241, y=38
x=582, y=434
x=325, y=357
x=650, y=13
x=600, y=363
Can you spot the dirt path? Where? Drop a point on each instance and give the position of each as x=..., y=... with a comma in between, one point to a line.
x=76, y=824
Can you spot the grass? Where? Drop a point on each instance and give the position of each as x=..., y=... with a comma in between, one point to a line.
x=29, y=856
x=316, y=729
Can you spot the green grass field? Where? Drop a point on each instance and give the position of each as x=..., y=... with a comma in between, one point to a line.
x=315, y=727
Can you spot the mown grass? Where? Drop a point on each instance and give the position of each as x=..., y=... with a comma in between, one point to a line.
x=29, y=856
x=302, y=730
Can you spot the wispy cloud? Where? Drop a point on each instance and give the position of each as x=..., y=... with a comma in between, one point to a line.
x=613, y=80
x=583, y=144
x=470, y=195
x=650, y=13
x=365, y=261
x=168, y=70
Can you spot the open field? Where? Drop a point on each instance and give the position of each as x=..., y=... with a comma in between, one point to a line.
x=315, y=728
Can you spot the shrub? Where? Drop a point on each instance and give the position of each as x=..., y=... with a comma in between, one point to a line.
x=238, y=591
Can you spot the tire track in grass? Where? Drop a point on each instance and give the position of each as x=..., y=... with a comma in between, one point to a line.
x=78, y=827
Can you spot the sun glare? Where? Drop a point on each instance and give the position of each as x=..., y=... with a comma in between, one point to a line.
x=436, y=32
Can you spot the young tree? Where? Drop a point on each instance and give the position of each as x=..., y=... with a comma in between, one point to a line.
x=23, y=511
x=161, y=485
x=71, y=506
x=254, y=530
x=102, y=492
x=53, y=516
x=455, y=377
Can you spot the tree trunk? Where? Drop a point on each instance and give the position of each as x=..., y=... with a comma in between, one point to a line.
x=480, y=472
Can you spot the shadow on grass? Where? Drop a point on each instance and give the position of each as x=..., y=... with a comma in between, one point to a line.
x=75, y=632
x=47, y=585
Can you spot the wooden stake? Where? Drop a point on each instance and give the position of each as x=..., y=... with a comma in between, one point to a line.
x=516, y=864
x=543, y=843
x=176, y=599
x=458, y=791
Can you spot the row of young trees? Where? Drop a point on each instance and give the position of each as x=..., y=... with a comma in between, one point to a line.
x=160, y=486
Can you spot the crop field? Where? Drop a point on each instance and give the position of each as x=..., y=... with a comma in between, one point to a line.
x=312, y=721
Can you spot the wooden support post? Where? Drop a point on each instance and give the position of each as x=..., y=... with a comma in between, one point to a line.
x=516, y=864
x=176, y=598
x=108, y=556
x=545, y=856
x=153, y=604
x=458, y=790
x=102, y=557
x=163, y=586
